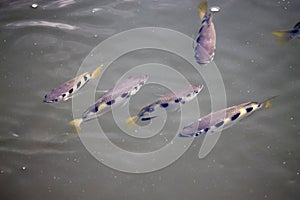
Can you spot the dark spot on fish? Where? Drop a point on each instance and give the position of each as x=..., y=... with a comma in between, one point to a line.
x=219, y=124
x=45, y=96
x=124, y=94
x=197, y=134
x=206, y=130
x=249, y=109
x=178, y=100
x=85, y=78
x=95, y=109
x=188, y=95
x=235, y=116
x=196, y=91
x=78, y=84
x=164, y=105
x=111, y=102
x=198, y=39
x=71, y=90
x=294, y=31
x=56, y=100
x=145, y=118
x=135, y=88
x=142, y=83
x=63, y=95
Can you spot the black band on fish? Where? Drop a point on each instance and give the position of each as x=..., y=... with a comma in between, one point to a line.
x=234, y=117
x=249, y=109
x=111, y=102
x=219, y=124
x=164, y=105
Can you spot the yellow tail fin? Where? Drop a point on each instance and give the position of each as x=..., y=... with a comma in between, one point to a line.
x=267, y=103
x=97, y=71
x=76, y=123
x=131, y=121
x=282, y=37
x=203, y=9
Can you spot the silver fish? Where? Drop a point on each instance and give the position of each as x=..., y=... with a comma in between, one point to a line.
x=284, y=36
x=67, y=89
x=222, y=119
x=206, y=39
x=117, y=95
x=169, y=100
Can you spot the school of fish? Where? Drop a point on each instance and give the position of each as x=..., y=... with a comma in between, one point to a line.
x=204, y=52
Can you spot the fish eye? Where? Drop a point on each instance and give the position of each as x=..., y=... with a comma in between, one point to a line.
x=45, y=96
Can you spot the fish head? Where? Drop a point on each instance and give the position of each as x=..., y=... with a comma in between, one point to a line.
x=190, y=130
x=197, y=89
x=137, y=82
x=191, y=93
x=143, y=79
x=52, y=97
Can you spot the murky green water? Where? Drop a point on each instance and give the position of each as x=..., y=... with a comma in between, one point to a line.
x=258, y=158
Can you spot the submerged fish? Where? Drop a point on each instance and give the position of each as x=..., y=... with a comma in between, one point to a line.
x=284, y=36
x=67, y=89
x=223, y=119
x=117, y=95
x=165, y=102
x=206, y=39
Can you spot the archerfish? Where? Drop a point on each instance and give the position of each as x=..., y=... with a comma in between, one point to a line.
x=222, y=119
x=168, y=101
x=206, y=39
x=118, y=95
x=283, y=36
x=66, y=90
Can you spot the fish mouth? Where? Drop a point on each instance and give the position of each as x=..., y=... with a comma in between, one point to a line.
x=187, y=135
x=45, y=101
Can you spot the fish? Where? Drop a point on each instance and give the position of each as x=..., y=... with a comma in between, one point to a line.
x=118, y=95
x=283, y=36
x=206, y=39
x=165, y=102
x=223, y=119
x=66, y=90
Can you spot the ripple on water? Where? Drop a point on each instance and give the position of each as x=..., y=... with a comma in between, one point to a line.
x=31, y=23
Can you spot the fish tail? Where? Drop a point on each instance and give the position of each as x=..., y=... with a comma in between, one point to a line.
x=282, y=37
x=203, y=9
x=131, y=121
x=76, y=123
x=267, y=102
x=97, y=71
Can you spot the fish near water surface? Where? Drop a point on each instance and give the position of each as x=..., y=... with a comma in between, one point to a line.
x=115, y=96
x=283, y=36
x=165, y=102
x=66, y=90
x=206, y=39
x=223, y=119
